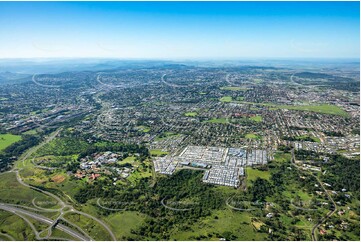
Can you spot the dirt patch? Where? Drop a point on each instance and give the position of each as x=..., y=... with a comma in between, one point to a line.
x=58, y=178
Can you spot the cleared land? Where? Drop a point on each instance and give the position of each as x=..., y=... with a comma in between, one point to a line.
x=158, y=152
x=8, y=139
x=253, y=174
x=318, y=108
x=191, y=114
x=122, y=223
x=226, y=99
x=229, y=88
x=226, y=222
x=256, y=118
x=251, y=136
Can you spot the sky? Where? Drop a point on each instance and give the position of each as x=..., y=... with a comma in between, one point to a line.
x=180, y=30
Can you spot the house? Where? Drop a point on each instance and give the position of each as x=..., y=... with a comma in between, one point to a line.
x=341, y=212
x=94, y=176
x=79, y=174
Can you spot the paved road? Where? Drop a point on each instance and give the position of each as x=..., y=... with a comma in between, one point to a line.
x=7, y=236
x=42, y=219
x=63, y=205
x=329, y=214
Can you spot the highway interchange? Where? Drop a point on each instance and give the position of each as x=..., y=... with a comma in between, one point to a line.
x=23, y=211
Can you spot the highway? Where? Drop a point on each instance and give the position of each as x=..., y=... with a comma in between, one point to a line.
x=41, y=218
x=20, y=210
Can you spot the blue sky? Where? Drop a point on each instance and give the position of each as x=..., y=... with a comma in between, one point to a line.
x=180, y=30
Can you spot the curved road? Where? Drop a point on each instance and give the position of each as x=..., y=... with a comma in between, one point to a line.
x=42, y=219
x=329, y=214
x=15, y=209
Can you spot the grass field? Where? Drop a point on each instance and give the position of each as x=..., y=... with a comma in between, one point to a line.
x=229, y=88
x=323, y=108
x=144, y=129
x=166, y=135
x=226, y=99
x=191, y=114
x=122, y=223
x=218, y=224
x=256, y=118
x=8, y=139
x=315, y=139
x=282, y=157
x=129, y=159
x=218, y=121
x=317, y=108
x=157, y=152
x=251, y=136
x=93, y=228
x=253, y=174
x=13, y=192
x=32, y=131
x=303, y=195
x=17, y=228
x=141, y=172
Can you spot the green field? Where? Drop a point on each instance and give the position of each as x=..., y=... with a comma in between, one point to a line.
x=144, y=129
x=282, y=157
x=166, y=135
x=93, y=228
x=191, y=114
x=13, y=192
x=142, y=171
x=322, y=108
x=156, y=152
x=253, y=174
x=8, y=139
x=218, y=121
x=32, y=131
x=229, y=88
x=122, y=223
x=221, y=224
x=256, y=118
x=317, y=108
x=251, y=136
x=14, y=227
x=303, y=137
x=226, y=99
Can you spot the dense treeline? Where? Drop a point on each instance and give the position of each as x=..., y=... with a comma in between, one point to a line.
x=303, y=138
x=307, y=155
x=69, y=145
x=341, y=172
x=183, y=190
x=12, y=152
x=344, y=173
x=333, y=133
